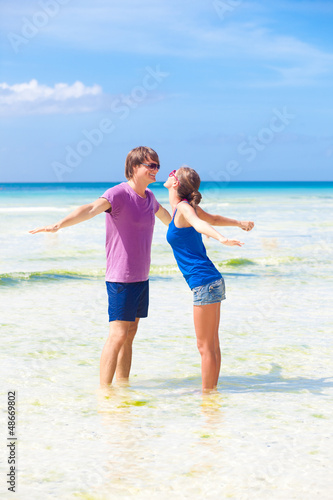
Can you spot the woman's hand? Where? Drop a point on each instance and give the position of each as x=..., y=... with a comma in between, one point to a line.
x=231, y=243
x=246, y=225
x=46, y=229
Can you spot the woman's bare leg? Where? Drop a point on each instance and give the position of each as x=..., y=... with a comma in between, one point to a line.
x=206, y=321
x=217, y=345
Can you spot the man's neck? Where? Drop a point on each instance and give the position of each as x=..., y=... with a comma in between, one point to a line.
x=138, y=187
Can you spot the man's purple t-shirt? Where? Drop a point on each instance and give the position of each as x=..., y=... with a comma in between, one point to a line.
x=129, y=233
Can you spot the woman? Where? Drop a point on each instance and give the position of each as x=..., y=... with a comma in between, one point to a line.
x=203, y=278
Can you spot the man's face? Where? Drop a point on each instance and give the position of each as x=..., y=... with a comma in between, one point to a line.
x=147, y=171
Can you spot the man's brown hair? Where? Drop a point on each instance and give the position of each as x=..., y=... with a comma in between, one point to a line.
x=139, y=155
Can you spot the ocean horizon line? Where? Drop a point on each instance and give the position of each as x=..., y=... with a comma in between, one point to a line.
x=328, y=183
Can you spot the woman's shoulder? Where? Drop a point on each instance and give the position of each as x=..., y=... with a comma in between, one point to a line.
x=179, y=215
x=185, y=208
x=181, y=205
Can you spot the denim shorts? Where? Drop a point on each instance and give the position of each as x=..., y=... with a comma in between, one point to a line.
x=210, y=293
x=128, y=301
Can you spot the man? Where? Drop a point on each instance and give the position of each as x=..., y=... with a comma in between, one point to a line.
x=130, y=217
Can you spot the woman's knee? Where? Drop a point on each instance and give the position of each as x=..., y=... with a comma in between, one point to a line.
x=206, y=348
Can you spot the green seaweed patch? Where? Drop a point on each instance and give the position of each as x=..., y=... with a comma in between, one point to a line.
x=133, y=403
x=237, y=262
x=318, y=415
x=49, y=275
x=158, y=270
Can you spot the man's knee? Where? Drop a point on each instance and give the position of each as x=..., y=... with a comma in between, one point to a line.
x=133, y=327
x=118, y=333
x=117, y=339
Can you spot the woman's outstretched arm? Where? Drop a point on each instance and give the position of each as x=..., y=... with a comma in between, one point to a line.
x=203, y=227
x=80, y=214
x=219, y=220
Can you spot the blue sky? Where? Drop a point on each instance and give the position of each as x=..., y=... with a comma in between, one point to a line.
x=238, y=90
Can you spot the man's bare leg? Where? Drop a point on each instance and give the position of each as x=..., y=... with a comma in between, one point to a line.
x=125, y=354
x=117, y=337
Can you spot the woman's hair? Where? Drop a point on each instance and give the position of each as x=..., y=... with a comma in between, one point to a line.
x=189, y=183
x=137, y=156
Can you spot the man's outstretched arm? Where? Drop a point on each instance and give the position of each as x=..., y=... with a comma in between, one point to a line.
x=163, y=215
x=80, y=214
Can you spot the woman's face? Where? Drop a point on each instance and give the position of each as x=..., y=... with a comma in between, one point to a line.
x=172, y=180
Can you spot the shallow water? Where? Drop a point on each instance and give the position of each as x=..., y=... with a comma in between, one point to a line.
x=266, y=433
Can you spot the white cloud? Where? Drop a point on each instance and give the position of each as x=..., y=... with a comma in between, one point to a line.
x=35, y=98
x=31, y=98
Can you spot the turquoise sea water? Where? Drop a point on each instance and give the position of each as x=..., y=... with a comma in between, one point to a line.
x=265, y=434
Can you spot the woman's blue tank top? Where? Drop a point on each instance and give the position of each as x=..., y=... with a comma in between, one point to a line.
x=190, y=254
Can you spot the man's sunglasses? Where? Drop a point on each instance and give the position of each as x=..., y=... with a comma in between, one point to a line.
x=152, y=166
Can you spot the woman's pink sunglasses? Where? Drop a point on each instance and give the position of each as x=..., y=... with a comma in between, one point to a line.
x=172, y=174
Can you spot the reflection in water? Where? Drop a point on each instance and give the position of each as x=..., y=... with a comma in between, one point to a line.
x=165, y=438
x=131, y=438
x=151, y=444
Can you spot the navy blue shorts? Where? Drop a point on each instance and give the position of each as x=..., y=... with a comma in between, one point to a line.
x=128, y=301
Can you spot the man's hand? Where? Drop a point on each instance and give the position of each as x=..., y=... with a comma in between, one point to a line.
x=246, y=225
x=80, y=214
x=46, y=229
